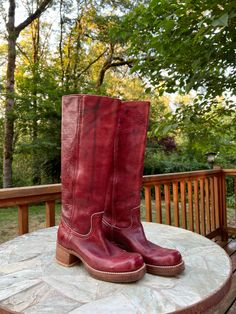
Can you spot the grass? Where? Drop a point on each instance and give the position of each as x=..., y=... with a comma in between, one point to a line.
x=9, y=219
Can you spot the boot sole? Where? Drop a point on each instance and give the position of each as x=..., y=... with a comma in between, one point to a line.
x=69, y=258
x=167, y=271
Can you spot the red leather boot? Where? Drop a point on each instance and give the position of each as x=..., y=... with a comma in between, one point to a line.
x=88, y=129
x=121, y=220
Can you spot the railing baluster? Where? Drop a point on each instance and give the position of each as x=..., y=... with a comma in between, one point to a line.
x=224, y=207
x=216, y=197
x=158, y=203
x=23, y=219
x=212, y=202
x=223, y=211
x=167, y=203
x=208, y=218
x=148, y=203
x=190, y=206
x=202, y=207
x=176, y=204
x=183, y=204
x=196, y=206
x=235, y=193
x=50, y=213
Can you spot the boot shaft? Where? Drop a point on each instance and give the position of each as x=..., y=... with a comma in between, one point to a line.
x=88, y=128
x=130, y=143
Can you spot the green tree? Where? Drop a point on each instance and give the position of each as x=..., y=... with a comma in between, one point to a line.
x=81, y=51
x=13, y=33
x=184, y=45
x=207, y=127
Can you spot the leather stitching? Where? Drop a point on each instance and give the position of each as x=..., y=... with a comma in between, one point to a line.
x=76, y=233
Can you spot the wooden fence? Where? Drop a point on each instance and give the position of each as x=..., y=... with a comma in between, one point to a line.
x=192, y=200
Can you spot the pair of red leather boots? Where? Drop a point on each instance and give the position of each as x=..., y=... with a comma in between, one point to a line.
x=103, y=144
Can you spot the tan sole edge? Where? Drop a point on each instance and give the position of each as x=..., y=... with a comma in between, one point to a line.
x=69, y=258
x=167, y=271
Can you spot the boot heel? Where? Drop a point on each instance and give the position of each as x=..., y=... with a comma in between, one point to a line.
x=65, y=258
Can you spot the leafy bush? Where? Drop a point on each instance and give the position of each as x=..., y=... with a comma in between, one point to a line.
x=157, y=161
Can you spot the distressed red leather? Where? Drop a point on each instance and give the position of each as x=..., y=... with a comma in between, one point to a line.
x=121, y=220
x=88, y=129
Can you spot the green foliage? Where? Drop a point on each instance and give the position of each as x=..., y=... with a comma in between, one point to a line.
x=176, y=45
x=37, y=125
x=179, y=140
x=185, y=45
x=208, y=127
x=157, y=161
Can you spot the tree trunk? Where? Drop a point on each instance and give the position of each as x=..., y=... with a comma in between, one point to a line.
x=9, y=114
x=35, y=32
x=13, y=33
x=8, y=148
x=61, y=44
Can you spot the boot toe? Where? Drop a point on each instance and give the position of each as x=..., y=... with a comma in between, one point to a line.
x=164, y=257
x=131, y=262
x=137, y=261
x=174, y=257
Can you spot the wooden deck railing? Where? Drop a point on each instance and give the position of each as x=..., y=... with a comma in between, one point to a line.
x=192, y=200
x=24, y=196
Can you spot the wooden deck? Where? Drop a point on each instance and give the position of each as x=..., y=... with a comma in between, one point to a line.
x=228, y=304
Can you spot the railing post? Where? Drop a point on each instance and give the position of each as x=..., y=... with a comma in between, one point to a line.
x=50, y=213
x=234, y=193
x=212, y=205
x=23, y=220
x=202, y=208
x=176, y=203
x=148, y=203
x=190, y=206
x=196, y=205
x=167, y=203
x=207, y=204
x=158, y=203
x=223, y=208
x=217, y=201
x=183, y=203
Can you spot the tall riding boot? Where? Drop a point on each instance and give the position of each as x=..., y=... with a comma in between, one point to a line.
x=121, y=220
x=88, y=129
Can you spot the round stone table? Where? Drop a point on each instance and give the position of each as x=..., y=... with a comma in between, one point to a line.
x=32, y=282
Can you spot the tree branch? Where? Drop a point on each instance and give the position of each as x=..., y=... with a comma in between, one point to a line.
x=43, y=6
x=122, y=62
x=91, y=63
x=23, y=53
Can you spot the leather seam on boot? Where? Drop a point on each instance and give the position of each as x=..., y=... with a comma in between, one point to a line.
x=115, y=173
x=78, y=131
x=76, y=233
x=114, y=226
x=120, y=228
